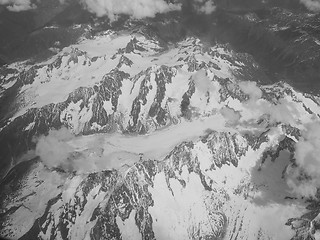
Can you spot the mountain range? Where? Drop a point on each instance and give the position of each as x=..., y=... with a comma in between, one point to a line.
x=179, y=126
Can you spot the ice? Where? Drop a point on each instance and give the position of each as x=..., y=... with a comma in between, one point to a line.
x=8, y=84
x=107, y=105
x=182, y=214
x=130, y=91
x=150, y=97
x=248, y=221
x=82, y=226
x=251, y=195
x=75, y=117
x=175, y=91
x=46, y=88
x=32, y=203
x=30, y=126
x=70, y=187
x=104, y=45
x=264, y=210
x=128, y=228
x=119, y=149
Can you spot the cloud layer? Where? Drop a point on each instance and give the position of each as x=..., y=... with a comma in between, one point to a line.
x=142, y=8
x=204, y=6
x=18, y=5
x=53, y=150
x=312, y=5
x=135, y=8
x=251, y=89
x=305, y=178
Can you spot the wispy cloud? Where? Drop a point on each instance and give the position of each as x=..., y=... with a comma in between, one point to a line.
x=53, y=150
x=18, y=5
x=142, y=8
x=251, y=89
x=312, y=5
x=204, y=6
x=305, y=178
x=135, y=8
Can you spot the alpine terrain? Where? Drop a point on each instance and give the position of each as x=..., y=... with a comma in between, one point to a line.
x=200, y=120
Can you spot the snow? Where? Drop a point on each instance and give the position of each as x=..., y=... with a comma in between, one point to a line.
x=184, y=211
x=104, y=45
x=9, y=84
x=130, y=91
x=128, y=228
x=308, y=102
x=150, y=97
x=265, y=209
x=33, y=203
x=21, y=221
x=119, y=149
x=175, y=91
x=182, y=214
x=272, y=187
x=30, y=126
x=249, y=221
x=70, y=187
x=226, y=177
x=107, y=105
x=96, y=126
x=81, y=229
x=75, y=117
x=47, y=89
x=205, y=96
x=287, y=110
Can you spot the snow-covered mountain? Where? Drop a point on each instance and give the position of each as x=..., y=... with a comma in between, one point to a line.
x=123, y=135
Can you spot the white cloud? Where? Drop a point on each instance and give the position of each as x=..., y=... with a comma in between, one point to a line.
x=112, y=8
x=230, y=114
x=18, y=5
x=305, y=188
x=284, y=111
x=308, y=149
x=57, y=150
x=135, y=8
x=272, y=219
x=305, y=179
x=53, y=150
x=312, y=5
x=202, y=82
x=251, y=89
x=204, y=6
